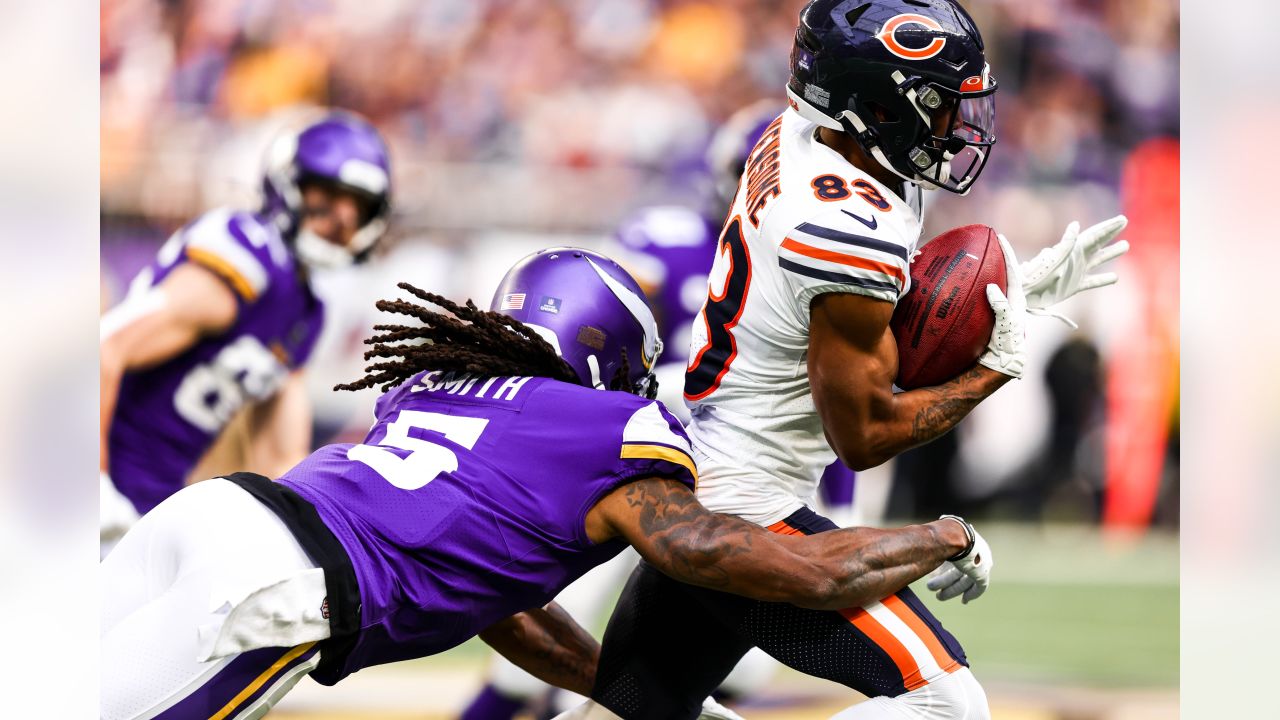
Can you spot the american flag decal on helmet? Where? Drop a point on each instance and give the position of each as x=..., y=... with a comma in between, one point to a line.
x=513, y=301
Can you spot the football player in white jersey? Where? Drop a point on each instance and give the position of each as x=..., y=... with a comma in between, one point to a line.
x=793, y=363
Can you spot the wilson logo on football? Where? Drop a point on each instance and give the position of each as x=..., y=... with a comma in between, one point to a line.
x=888, y=36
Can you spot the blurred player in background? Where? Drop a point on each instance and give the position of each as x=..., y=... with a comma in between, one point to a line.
x=794, y=357
x=224, y=318
x=512, y=451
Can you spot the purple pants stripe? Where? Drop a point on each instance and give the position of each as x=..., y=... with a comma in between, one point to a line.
x=242, y=682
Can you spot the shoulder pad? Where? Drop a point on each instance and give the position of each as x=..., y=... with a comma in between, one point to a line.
x=238, y=248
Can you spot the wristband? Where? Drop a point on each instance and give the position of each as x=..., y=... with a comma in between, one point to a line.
x=969, y=534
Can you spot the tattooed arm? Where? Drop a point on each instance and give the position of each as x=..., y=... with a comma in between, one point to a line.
x=549, y=645
x=836, y=569
x=853, y=360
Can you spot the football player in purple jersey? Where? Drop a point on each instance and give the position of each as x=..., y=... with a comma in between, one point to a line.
x=225, y=318
x=512, y=450
x=668, y=249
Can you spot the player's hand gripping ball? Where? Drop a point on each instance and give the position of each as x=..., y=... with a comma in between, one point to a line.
x=944, y=324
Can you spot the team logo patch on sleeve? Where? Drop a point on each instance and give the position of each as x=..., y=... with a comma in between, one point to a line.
x=513, y=301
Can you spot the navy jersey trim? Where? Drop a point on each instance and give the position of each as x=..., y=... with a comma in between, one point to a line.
x=851, y=239
x=835, y=277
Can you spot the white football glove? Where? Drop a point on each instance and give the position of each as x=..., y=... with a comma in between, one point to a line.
x=1006, y=351
x=967, y=574
x=1060, y=271
x=712, y=710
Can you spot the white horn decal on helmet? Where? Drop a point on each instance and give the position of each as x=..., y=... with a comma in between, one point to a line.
x=639, y=309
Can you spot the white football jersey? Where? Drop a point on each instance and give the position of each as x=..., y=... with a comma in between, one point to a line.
x=804, y=222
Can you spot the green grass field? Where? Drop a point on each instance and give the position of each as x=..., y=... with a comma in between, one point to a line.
x=1074, y=626
x=1068, y=608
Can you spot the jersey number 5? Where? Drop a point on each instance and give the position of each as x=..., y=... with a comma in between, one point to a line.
x=426, y=459
x=720, y=314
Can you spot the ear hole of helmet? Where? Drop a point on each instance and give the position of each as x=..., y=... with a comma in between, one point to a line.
x=881, y=113
x=808, y=40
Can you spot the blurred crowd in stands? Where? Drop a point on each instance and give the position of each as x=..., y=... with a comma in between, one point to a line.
x=518, y=123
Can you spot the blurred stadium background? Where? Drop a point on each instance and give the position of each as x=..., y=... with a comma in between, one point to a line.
x=525, y=123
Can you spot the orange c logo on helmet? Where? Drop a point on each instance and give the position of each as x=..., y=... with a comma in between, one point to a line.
x=888, y=33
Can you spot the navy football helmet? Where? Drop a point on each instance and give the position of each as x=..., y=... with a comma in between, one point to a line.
x=906, y=78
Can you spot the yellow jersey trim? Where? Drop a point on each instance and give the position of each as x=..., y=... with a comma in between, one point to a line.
x=635, y=451
x=224, y=269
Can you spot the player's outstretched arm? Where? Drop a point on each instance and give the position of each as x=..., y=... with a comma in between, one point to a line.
x=853, y=361
x=548, y=644
x=148, y=329
x=832, y=570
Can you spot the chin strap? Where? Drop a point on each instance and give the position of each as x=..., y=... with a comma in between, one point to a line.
x=317, y=252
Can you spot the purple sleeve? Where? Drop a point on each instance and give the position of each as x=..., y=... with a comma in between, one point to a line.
x=239, y=249
x=654, y=443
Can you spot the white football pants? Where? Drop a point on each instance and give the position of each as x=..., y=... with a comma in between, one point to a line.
x=957, y=696
x=167, y=590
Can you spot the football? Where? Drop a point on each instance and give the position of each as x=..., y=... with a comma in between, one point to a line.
x=944, y=322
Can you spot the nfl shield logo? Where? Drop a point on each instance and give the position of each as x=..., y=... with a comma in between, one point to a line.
x=550, y=305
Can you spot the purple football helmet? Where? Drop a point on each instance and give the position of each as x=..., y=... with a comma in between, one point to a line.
x=340, y=149
x=733, y=142
x=590, y=310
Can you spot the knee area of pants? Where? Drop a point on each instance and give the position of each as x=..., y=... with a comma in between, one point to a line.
x=959, y=696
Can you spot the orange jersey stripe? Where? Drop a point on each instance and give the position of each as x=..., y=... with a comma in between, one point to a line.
x=913, y=621
x=843, y=259
x=782, y=528
x=869, y=626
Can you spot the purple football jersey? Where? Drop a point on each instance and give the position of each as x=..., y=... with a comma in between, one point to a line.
x=168, y=415
x=672, y=249
x=466, y=502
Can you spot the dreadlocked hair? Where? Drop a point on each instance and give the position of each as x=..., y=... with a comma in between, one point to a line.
x=476, y=341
